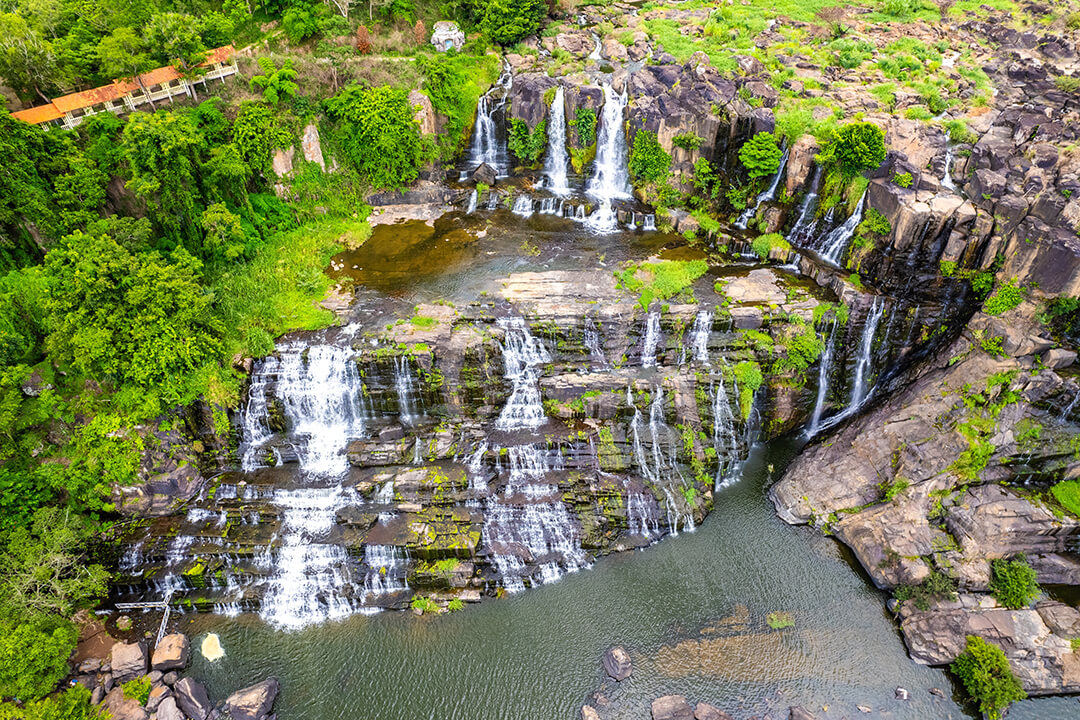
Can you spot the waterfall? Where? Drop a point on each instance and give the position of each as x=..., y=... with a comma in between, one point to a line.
x=557, y=159
x=864, y=362
x=595, y=54
x=406, y=391
x=946, y=176
x=650, y=223
x=312, y=580
x=320, y=389
x=1070, y=407
x=593, y=343
x=551, y=206
x=641, y=514
x=805, y=225
x=824, y=369
x=522, y=356
x=611, y=178
x=725, y=440
x=530, y=524
x=474, y=198
x=767, y=196
x=699, y=337
x=657, y=466
x=652, y=339
x=386, y=566
x=523, y=206
x=836, y=242
x=485, y=147
x=475, y=466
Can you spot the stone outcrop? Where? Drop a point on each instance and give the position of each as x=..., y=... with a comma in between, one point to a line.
x=172, y=653
x=192, y=699
x=128, y=661
x=672, y=707
x=252, y=703
x=617, y=664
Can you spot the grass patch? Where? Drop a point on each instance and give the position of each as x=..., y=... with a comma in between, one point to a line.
x=778, y=620
x=660, y=280
x=1067, y=493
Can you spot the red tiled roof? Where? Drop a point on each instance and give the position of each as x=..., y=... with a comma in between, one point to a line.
x=113, y=91
x=39, y=114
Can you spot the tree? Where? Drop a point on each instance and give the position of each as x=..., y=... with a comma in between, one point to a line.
x=162, y=154
x=123, y=54
x=80, y=192
x=277, y=83
x=299, y=24
x=27, y=61
x=985, y=672
x=224, y=235
x=760, y=155
x=508, y=21
x=174, y=37
x=215, y=29
x=649, y=164
x=257, y=133
x=363, y=40
x=856, y=147
x=379, y=134
x=342, y=6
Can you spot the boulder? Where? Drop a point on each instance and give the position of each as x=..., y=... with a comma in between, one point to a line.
x=172, y=653
x=672, y=707
x=424, y=112
x=252, y=703
x=1059, y=358
x=617, y=664
x=128, y=660
x=192, y=698
x=798, y=713
x=588, y=712
x=157, y=695
x=800, y=163
x=283, y=161
x=485, y=174
x=705, y=711
x=311, y=146
x=122, y=708
x=167, y=710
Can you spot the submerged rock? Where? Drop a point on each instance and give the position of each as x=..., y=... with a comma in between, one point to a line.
x=617, y=664
x=672, y=707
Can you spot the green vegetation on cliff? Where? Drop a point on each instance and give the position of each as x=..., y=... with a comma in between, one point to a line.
x=984, y=670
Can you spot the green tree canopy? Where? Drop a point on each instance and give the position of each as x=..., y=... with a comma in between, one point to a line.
x=761, y=155
x=856, y=147
x=378, y=133
x=985, y=672
x=509, y=21
x=649, y=163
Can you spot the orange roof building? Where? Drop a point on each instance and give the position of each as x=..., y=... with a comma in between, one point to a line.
x=125, y=95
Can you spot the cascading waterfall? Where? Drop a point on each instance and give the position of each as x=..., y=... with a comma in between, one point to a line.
x=551, y=206
x=824, y=370
x=652, y=339
x=386, y=569
x=474, y=198
x=475, y=466
x=593, y=343
x=557, y=158
x=768, y=195
x=485, y=147
x=864, y=361
x=725, y=439
x=657, y=466
x=805, y=224
x=523, y=206
x=530, y=524
x=699, y=337
x=256, y=420
x=611, y=178
x=522, y=357
x=649, y=225
x=406, y=391
x=836, y=242
x=946, y=176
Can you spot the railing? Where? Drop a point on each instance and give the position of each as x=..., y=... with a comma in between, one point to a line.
x=163, y=604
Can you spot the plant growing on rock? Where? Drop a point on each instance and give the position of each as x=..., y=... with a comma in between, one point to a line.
x=1004, y=299
x=1013, y=582
x=137, y=689
x=760, y=155
x=527, y=146
x=985, y=672
x=276, y=83
x=937, y=586
x=649, y=163
x=854, y=148
x=762, y=245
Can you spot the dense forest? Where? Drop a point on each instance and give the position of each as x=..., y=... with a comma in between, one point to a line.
x=145, y=255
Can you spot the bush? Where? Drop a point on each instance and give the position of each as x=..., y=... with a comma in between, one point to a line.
x=760, y=155
x=985, y=672
x=938, y=586
x=904, y=180
x=508, y=21
x=527, y=146
x=649, y=163
x=856, y=147
x=137, y=689
x=378, y=134
x=763, y=244
x=959, y=132
x=874, y=223
x=299, y=24
x=33, y=658
x=1067, y=492
x=585, y=122
x=72, y=704
x=1014, y=582
x=1004, y=299
x=687, y=141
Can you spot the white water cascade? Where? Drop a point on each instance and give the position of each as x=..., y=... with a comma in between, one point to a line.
x=652, y=339
x=946, y=176
x=864, y=362
x=824, y=370
x=593, y=343
x=768, y=195
x=523, y=206
x=699, y=337
x=611, y=178
x=474, y=198
x=256, y=419
x=805, y=224
x=557, y=158
x=485, y=147
x=836, y=242
x=522, y=357
x=530, y=524
x=725, y=439
x=657, y=465
x=406, y=391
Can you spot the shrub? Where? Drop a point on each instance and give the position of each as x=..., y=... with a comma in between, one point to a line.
x=874, y=223
x=1067, y=492
x=33, y=659
x=363, y=40
x=424, y=604
x=760, y=155
x=137, y=689
x=649, y=163
x=687, y=141
x=856, y=147
x=378, y=134
x=299, y=24
x=455, y=605
x=72, y=704
x=904, y=180
x=749, y=378
x=1013, y=583
x=585, y=123
x=985, y=672
x=763, y=244
x=527, y=146
x=660, y=280
x=960, y=133
x=1004, y=299
x=937, y=586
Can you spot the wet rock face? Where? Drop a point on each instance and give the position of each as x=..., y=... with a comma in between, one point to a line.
x=480, y=449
